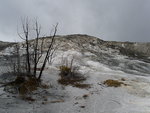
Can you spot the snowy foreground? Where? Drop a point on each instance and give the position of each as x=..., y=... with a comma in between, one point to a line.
x=134, y=97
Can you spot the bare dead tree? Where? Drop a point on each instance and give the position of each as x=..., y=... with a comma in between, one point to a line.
x=34, y=51
x=25, y=28
x=49, y=51
x=33, y=55
x=36, y=57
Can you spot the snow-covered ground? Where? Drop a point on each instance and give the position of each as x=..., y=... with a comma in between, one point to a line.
x=134, y=97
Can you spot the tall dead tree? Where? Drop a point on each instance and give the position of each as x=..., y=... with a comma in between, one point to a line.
x=48, y=53
x=34, y=48
x=36, y=57
x=25, y=28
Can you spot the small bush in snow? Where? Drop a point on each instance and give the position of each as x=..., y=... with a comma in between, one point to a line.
x=68, y=76
x=28, y=86
x=65, y=71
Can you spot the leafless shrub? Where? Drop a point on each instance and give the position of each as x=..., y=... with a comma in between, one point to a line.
x=34, y=48
x=25, y=63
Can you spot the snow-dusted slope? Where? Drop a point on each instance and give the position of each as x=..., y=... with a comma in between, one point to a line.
x=97, y=62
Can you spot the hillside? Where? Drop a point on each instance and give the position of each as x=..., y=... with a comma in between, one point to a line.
x=81, y=40
x=4, y=45
x=117, y=78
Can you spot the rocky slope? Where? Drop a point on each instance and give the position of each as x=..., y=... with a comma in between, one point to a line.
x=98, y=61
x=4, y=45
x=84, y=41
x=77, y=41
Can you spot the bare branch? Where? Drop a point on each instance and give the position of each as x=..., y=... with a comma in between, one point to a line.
x=48, y=52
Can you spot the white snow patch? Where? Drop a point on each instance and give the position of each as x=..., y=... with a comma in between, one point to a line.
x=133, y=98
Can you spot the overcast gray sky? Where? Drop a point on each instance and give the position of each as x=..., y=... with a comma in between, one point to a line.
x=118, y=20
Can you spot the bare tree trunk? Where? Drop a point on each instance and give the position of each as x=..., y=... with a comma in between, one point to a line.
x=48, y=52
x=26, y=31
x=37, y=29
x=25, y=27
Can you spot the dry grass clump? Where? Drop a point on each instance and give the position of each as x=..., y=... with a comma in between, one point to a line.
x=82, y=86
x=31, y=85
x=70, y=80
x=28, y=86
x=75, y=82
x=65, y=71
x=24, y=86
x=19, y=80
x=69, y=76
x=113, y=83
